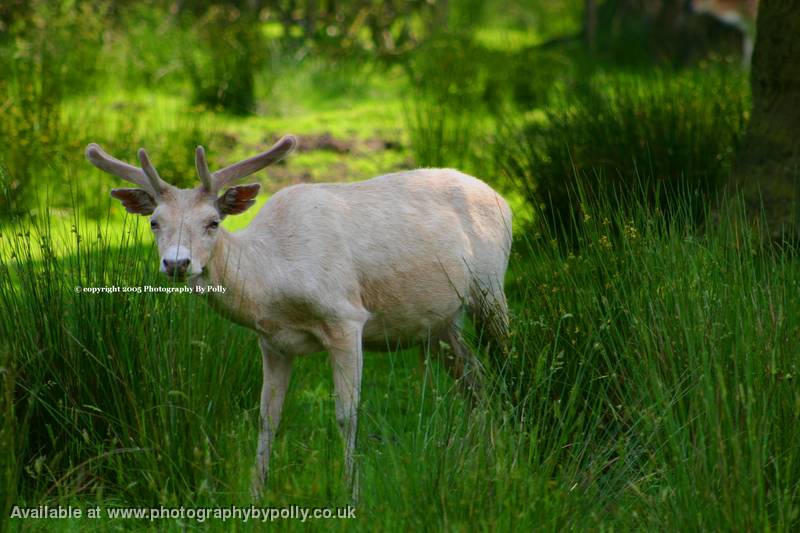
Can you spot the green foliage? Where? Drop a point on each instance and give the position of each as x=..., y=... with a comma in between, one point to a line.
x=459, y=86
x=81, y=391
x=67, y=177
x=223, y=58
x=378, y=30
x=680, y=129
x=147, y=47
x=8, y=426
x=35, y=78
x=440, y=137
x=534, y=73
x=683, y=386
x=452, y=70
x=452, y=90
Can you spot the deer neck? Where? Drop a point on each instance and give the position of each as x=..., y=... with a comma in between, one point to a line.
x=226, y=279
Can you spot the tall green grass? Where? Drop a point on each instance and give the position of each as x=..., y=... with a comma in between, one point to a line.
x=77, y=385
x=650, y=384
x=447, y=106
x=687, y=339
x=614, y=129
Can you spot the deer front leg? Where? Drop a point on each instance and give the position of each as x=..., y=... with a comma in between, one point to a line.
x=347, y=362
x=277, y=370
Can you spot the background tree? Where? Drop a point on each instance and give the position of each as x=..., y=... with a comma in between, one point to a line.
x=769, y=157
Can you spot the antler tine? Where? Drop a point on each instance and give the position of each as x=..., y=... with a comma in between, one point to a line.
x=224, y=177
x=150, y=171
x=202, y=169
x=112, y=165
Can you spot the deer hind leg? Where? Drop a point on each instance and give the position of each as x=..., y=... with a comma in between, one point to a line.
x=277, y=369
x=460, y=361
x=489, y=311
x=347, y=359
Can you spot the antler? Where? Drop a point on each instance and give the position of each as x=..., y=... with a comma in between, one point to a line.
x=146, y=177
x=220, y=179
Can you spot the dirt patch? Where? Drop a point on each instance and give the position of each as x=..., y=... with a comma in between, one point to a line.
x=323, y=141
x=352, y=153
x=374, y=145
x=226, y=140
x=327, y=142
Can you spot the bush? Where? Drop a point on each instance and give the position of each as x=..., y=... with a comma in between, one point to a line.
x=146, y=46
x=223, y=60
x=677, y=131
x=459, y=85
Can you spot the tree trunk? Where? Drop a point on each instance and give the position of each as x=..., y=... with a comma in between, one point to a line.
x=590, y=24
x=769, y=158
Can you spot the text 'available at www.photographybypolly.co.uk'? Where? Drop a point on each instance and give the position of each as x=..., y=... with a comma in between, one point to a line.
x=198, y=514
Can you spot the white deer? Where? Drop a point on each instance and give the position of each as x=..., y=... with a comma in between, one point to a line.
x=394, y=260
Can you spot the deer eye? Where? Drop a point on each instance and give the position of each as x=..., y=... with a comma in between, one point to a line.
x=214, y=224
x=153, y=225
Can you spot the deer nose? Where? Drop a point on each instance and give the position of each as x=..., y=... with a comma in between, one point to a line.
x=178, y=266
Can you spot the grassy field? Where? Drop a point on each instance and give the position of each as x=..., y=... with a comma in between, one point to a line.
x=650, y=385
x=651, y=379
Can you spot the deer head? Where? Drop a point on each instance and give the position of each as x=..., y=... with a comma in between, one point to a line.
x=185, y=222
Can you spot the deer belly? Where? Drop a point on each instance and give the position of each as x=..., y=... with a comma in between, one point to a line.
x=410, y=307
x=381, y=334
x=292, y=341
x=411, y=323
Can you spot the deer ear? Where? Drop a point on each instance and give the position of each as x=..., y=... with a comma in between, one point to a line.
x=136, y=201
x=237, y=199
